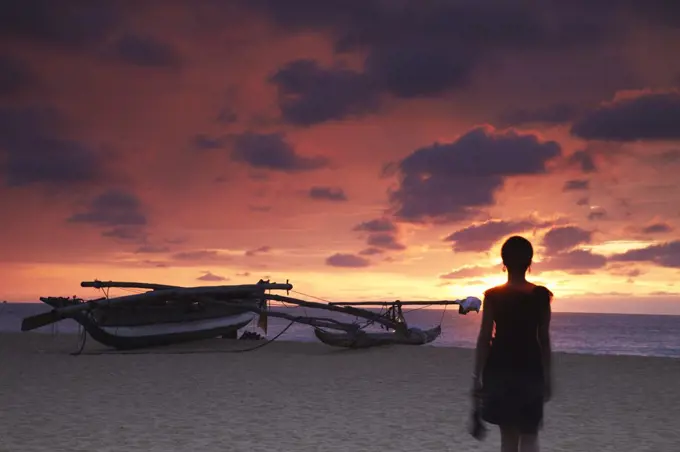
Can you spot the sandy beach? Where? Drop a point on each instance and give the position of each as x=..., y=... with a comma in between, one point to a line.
x=308, y=397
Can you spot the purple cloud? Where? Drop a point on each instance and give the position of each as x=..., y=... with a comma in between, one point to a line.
x=372, y=251
x=665, y=255
x=657, y=228
x=310, y=94
x=377, y=225
x=482, y=236
x=257, y=251
x=565, y=238
x=453, y=181
x=576, y=262
x=467, y=272
x=386, y=241
x=208, y=276
x=271, y=151
x=646, y=117
x=327, y=194
x=112, y=208
x=347, y=260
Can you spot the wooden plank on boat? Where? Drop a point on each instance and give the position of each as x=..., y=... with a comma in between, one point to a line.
x=129, y=285
x=387, y=303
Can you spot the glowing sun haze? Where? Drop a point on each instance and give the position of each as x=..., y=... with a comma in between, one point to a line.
x=361, y=149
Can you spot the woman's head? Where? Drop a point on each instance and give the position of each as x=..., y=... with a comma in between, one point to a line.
x=517, y=254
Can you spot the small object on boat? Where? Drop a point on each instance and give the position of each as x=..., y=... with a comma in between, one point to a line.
x=469, y=304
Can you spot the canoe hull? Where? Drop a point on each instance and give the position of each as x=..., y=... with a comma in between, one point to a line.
x=131, y=337
x=146, y=326
x=363, y=339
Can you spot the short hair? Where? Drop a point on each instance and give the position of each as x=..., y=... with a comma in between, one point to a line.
x=517, y=253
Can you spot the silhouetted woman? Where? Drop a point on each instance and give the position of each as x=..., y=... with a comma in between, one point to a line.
x=512, y=373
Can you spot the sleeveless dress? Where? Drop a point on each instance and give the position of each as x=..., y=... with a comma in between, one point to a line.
x=512, y=377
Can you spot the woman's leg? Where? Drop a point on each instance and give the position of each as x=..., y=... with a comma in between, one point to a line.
x=509, y=439
x=528, y=443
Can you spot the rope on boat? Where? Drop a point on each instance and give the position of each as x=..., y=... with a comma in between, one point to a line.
x=82, y=338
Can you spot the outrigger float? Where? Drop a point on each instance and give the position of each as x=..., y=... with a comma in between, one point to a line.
x=170, y=314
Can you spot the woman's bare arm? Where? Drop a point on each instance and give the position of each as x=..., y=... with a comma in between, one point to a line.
x=544, y=341
x=483, y=339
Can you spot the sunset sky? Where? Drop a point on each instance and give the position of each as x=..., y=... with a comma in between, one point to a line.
x=362, y=149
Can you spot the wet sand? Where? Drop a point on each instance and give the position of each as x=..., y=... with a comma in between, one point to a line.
x=308, y=397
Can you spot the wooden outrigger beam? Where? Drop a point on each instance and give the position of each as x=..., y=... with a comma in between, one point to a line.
x=129, y=285
x=388, y=303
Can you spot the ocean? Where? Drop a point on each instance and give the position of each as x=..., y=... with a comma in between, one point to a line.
x=610, y=334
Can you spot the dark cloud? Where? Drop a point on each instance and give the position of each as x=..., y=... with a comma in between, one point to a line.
x=386, y=241
x=75, y=24
x=152, y=249
x=371, y=251
x=482, y=236
x=347, y=260
x=467, y=272
x=584, y=160
x=597, y=213
x=574, y=262
x=415, y=69
x=327, y=194
x=427, y=48
x=257, y=251
x=377, y=225
x=665, y=255
x=310, y=94
x=624, y=270
x=198, y=255
x=112, y=208
x=576, y=185
x=565, y=238
x=15, y=76
x=583, y=202
x=202, y=142
x=34, y=152
x=452, y=181
x=653, y=116
x=209, y=276
x=271, y=151
x=134, y=233
x=551, y=114
x=147, y=51
x=657, y=228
